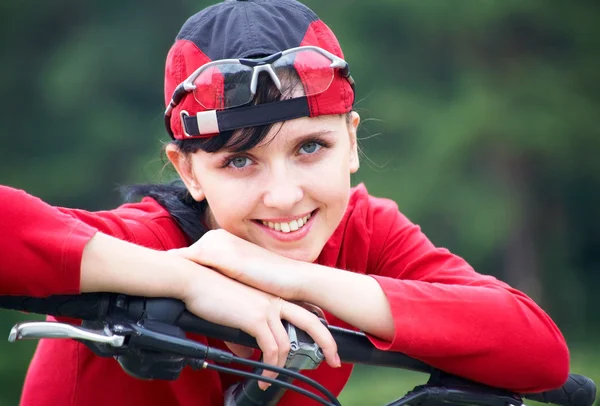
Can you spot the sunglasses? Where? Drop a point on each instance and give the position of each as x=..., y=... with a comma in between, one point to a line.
x=229, y=83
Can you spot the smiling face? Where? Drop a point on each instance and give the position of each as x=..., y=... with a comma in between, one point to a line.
x=287, y=194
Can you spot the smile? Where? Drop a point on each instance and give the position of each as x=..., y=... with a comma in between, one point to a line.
x=288, y=226
x=288, y=229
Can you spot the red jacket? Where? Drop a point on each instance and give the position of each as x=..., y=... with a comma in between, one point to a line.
x=445, y=313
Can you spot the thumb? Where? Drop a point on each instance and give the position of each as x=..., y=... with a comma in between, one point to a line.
x=240, y=350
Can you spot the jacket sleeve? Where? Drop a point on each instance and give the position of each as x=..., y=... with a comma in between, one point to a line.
x=42, y=245
x=462, y=322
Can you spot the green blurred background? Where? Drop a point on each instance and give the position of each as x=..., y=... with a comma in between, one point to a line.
x=480, y=118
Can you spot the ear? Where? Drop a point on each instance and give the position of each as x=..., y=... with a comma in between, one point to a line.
x=352, y=130
x=183, y=166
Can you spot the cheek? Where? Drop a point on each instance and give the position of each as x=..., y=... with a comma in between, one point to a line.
x=333, y=172
x=230, y=202
x=330, y=184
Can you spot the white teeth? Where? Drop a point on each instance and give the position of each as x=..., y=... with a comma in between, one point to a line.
x=288, y=227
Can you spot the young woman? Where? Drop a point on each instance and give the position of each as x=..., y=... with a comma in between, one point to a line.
x=259, y=106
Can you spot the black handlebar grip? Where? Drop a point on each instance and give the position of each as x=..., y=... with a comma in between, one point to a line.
x=579, y=390
x=87, y=306
x=193, y=324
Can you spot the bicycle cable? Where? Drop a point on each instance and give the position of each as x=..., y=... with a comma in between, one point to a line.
x=292, y=374
x=286, y=385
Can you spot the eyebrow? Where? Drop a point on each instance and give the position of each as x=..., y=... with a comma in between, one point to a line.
x=296, y=141
x=312, y=135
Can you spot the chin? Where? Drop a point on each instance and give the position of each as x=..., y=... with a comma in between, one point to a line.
x=303, y=255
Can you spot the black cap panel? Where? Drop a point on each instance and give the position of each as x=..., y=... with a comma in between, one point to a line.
x=241, y=29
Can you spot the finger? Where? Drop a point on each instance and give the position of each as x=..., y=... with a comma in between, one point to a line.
x=316, y=310
x=268, y=345
x=240, y=350
x=281, y=337
x=311, y=324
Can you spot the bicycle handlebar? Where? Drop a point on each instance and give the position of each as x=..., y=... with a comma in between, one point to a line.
x=87, y=306
x=353, y=347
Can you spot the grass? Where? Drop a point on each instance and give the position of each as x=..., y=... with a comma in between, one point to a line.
x=379, y=386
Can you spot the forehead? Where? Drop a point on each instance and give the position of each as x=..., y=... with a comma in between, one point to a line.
x=291, y=130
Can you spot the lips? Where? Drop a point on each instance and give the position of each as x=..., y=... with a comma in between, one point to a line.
x=288, y=229
x=287, y=226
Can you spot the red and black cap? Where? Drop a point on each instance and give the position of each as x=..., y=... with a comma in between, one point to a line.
x=243, y=29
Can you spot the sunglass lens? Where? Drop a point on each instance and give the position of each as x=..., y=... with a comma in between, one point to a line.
x=223, y=86
x=311, y=67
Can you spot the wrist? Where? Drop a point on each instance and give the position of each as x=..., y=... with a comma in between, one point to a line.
x=175, y=274
x=112, y=265
x=187, y=279
x=313, y=282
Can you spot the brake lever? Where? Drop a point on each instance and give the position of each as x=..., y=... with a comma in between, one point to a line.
x=304, y=352
x=49, y=329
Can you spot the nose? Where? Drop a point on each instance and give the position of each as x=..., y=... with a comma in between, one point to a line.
x=283, y=190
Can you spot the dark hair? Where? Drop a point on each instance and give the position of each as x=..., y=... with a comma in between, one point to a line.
x=174, y=197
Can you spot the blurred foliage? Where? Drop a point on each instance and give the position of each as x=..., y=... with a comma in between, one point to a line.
x=479, y=119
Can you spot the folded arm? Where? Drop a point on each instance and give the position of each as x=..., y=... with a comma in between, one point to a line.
x=48, y=250
x=430, y=304
x=410, y=297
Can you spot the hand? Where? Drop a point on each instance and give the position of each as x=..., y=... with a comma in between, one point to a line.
x=247, y=352
x=222, y=300
x=247, y=263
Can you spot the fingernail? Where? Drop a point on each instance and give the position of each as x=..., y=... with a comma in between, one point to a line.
x=338, y=361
